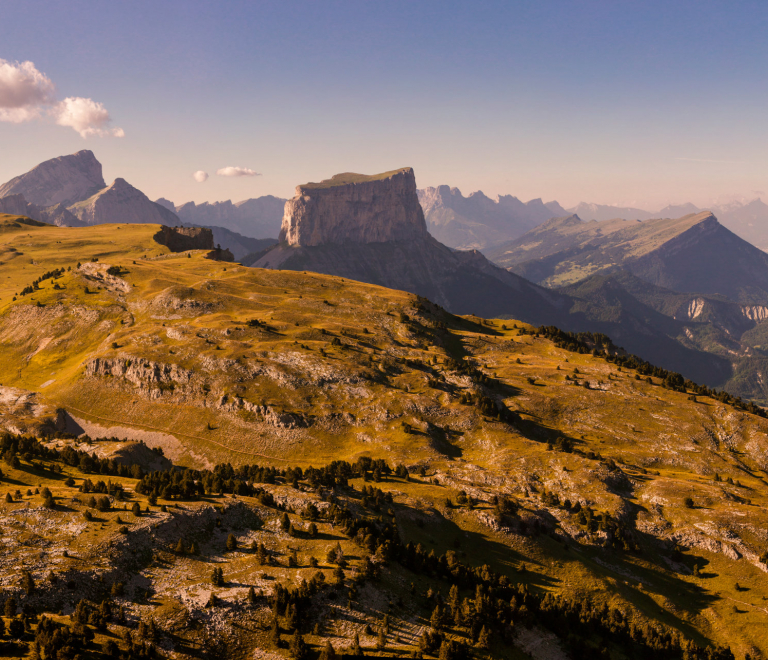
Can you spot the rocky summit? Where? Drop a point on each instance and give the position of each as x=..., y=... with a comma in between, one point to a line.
x=62, y=180
x=121, y=203
x=355, y=208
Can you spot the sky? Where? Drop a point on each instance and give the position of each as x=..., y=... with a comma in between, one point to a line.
x=626, y=103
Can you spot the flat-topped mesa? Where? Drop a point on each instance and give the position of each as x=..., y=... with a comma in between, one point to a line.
x=355, y=208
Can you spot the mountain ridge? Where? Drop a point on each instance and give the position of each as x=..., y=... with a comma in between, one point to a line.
x=692, y=254
x=119, y=203
x=62, y=180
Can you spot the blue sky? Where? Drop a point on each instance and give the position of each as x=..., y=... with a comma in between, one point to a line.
x=612, y=102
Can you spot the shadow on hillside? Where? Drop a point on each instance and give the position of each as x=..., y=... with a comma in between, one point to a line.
x=532, y=429
x=474, y=549
x=659, y=578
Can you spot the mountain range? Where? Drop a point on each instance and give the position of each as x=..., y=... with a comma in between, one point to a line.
x=686, y=293
x=340, y=227
x=204, y=460
x=692, y=254
x=334, y=241
x=690, y=280
x=258, y=217
x=749, y=220
x=476, y=222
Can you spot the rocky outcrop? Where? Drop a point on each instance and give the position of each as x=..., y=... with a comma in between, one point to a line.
x=156, y=379
x=353, y=208
x=140, y=372
x=53, y=215
x=121, y=203
x=180, y=239
x=220, y=254
x=63, y=180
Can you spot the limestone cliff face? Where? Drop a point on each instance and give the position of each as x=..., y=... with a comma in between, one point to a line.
x=372, y=229
x=62, y=180
x=122, y=203
x=352, y=208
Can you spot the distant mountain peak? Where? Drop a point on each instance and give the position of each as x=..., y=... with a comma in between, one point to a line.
x=65, y=179
x=477, y=221
x=122, y=203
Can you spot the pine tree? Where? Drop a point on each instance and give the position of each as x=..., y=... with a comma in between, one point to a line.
x=293, y=618
x=436, y=619
x=180, y=549
x=328, y=652
x=357, y=652
x=484, y=639
x=274, y=633
x=231, y=542
x=298, y=647
x=381, y=640
x=251, y=596
x=27, y=582
x=448, y=650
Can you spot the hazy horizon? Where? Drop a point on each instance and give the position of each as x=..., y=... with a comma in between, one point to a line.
x=638, y=106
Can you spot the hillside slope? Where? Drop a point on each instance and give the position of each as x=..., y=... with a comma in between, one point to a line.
x=542, y=469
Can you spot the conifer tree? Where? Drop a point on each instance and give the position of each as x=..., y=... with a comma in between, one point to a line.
x=357, y=651
x=328, y=652
x=274, y=633
x=27, y=582
x=298, y=647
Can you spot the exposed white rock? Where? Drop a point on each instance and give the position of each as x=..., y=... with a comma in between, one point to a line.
x=365, y=210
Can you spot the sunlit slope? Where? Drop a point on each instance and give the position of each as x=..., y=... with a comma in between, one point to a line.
x=228, y=364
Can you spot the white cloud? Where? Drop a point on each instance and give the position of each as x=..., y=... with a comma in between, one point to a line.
x=200, y=176
x=86, y=116
x=27, y=94
x=236, y=171
x=23, y=90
